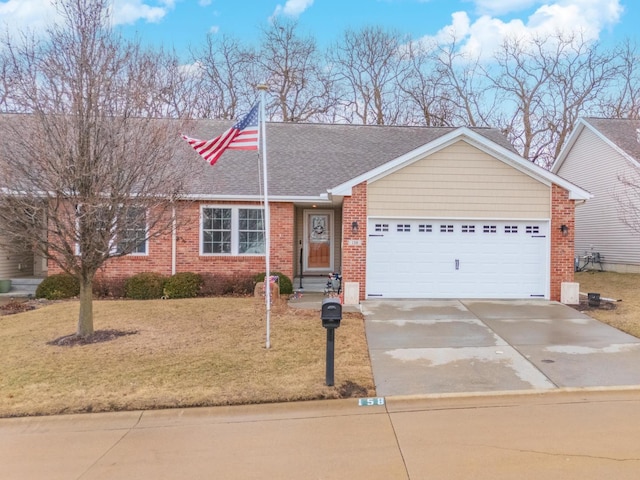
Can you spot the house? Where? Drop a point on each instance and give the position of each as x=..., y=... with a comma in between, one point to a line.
x=401, y=212
x=599, y=154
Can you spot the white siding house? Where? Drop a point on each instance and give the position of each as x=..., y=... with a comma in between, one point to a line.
x=599, y=154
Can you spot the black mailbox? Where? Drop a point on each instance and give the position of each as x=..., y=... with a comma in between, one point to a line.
x=331, y=313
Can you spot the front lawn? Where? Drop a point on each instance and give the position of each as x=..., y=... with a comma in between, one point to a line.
x=178, y=353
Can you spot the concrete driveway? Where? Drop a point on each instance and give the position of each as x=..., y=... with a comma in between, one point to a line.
x=446, y=346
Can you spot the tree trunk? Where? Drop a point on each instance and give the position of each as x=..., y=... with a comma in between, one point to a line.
x=85, y=318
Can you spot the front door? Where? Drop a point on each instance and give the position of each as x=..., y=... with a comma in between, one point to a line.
x=318, y=241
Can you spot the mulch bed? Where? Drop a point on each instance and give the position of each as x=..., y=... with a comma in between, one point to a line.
x=98, y=336
x=585, y=307
x=14, y=307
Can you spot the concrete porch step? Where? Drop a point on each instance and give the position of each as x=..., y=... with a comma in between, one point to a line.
x=23, y=287
x=311, y=283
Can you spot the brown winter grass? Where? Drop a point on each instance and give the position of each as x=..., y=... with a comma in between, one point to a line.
x=195, y=352
x=617, y=286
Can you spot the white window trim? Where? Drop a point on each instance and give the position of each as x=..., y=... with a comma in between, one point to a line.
x=235, y=230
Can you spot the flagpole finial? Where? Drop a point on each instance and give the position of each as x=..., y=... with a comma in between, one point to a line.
x=263, y=86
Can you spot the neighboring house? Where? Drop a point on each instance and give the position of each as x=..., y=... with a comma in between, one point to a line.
x=598, y=154
x=401, y=212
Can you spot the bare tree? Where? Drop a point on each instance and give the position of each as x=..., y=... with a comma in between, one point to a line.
x=464, y=86
x=545, y=85
x=84, y=178
x=623, y=98
x=293, y=68
x=228, y=76
x=370, y=63
x=425, y=87
x=163, y=87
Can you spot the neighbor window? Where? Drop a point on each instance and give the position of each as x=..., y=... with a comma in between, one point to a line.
x=232, y=230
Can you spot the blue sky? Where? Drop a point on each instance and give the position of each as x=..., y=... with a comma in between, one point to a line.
x=477, y=23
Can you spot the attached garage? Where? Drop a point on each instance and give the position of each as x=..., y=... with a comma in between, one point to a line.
x=460, y=217
x=409, y=258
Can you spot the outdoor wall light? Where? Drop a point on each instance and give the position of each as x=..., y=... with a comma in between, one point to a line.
x=354, y=227
x=565, y=230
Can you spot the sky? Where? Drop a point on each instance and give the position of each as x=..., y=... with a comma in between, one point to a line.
x=478, y=24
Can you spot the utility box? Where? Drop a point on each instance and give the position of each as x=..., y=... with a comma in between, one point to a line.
x=570, y=293
x=331, y=313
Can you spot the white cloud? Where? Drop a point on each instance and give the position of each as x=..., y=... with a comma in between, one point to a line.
x=130, y=11
x=214, y=29
x=482, y=36
x=19, y=15
x=292, y=8
x=501, y=7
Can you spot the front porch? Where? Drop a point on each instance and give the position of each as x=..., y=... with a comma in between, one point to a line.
x=22, y=287
x=318, y=245
x=310, y=284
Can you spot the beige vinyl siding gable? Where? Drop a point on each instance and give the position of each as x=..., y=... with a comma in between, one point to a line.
x=459, y=181
x=596, y=166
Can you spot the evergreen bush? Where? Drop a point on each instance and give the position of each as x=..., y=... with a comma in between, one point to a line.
x=183, y=285
x=58, y=286
x=145, y=286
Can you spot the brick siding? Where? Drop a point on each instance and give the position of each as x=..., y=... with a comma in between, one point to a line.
x=354, y=257
x=562, y=248
x=188, y=258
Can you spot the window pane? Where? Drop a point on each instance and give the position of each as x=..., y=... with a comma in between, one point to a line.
x=133, y=231
x=216, y=230
x=251, y=231
x=251, y=242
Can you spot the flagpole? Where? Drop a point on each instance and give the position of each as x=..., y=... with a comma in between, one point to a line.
x=267, y=217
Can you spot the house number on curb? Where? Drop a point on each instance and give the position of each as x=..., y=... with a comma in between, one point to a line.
x=368, y=402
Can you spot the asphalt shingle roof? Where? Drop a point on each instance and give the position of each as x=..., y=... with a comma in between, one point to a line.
x=624, y=133
x=304, y=160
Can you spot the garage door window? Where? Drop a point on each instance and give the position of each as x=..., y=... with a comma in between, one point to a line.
x=403, y=227
x=511, y=229
x=381, y=227
x=425, y=228
x=534, y=229
x=468, y=228
x=446, y=228
x=489, y=229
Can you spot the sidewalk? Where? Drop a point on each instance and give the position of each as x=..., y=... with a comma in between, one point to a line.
x=583, y=434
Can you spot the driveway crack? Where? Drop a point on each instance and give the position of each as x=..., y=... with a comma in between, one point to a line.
x=117, y=442
x=559, y=454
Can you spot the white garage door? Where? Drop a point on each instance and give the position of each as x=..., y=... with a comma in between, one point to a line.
x=457, y=259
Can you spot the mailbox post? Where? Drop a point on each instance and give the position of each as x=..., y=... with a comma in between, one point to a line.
x=331, y=315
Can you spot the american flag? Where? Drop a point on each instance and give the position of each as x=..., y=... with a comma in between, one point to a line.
x=242, y=136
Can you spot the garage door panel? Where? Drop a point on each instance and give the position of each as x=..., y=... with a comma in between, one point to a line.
x=448, y=259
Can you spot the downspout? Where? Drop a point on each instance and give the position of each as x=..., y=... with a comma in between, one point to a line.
x=174, y=241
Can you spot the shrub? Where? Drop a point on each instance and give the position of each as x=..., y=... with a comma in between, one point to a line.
x=183, y=285
x=108, y=287
x=286, y=286
x=145, y=286
x=58, y=286
x=217, y=285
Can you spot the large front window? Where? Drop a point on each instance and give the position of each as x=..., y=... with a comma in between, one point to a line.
x=232, y=230
x=122, y=230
